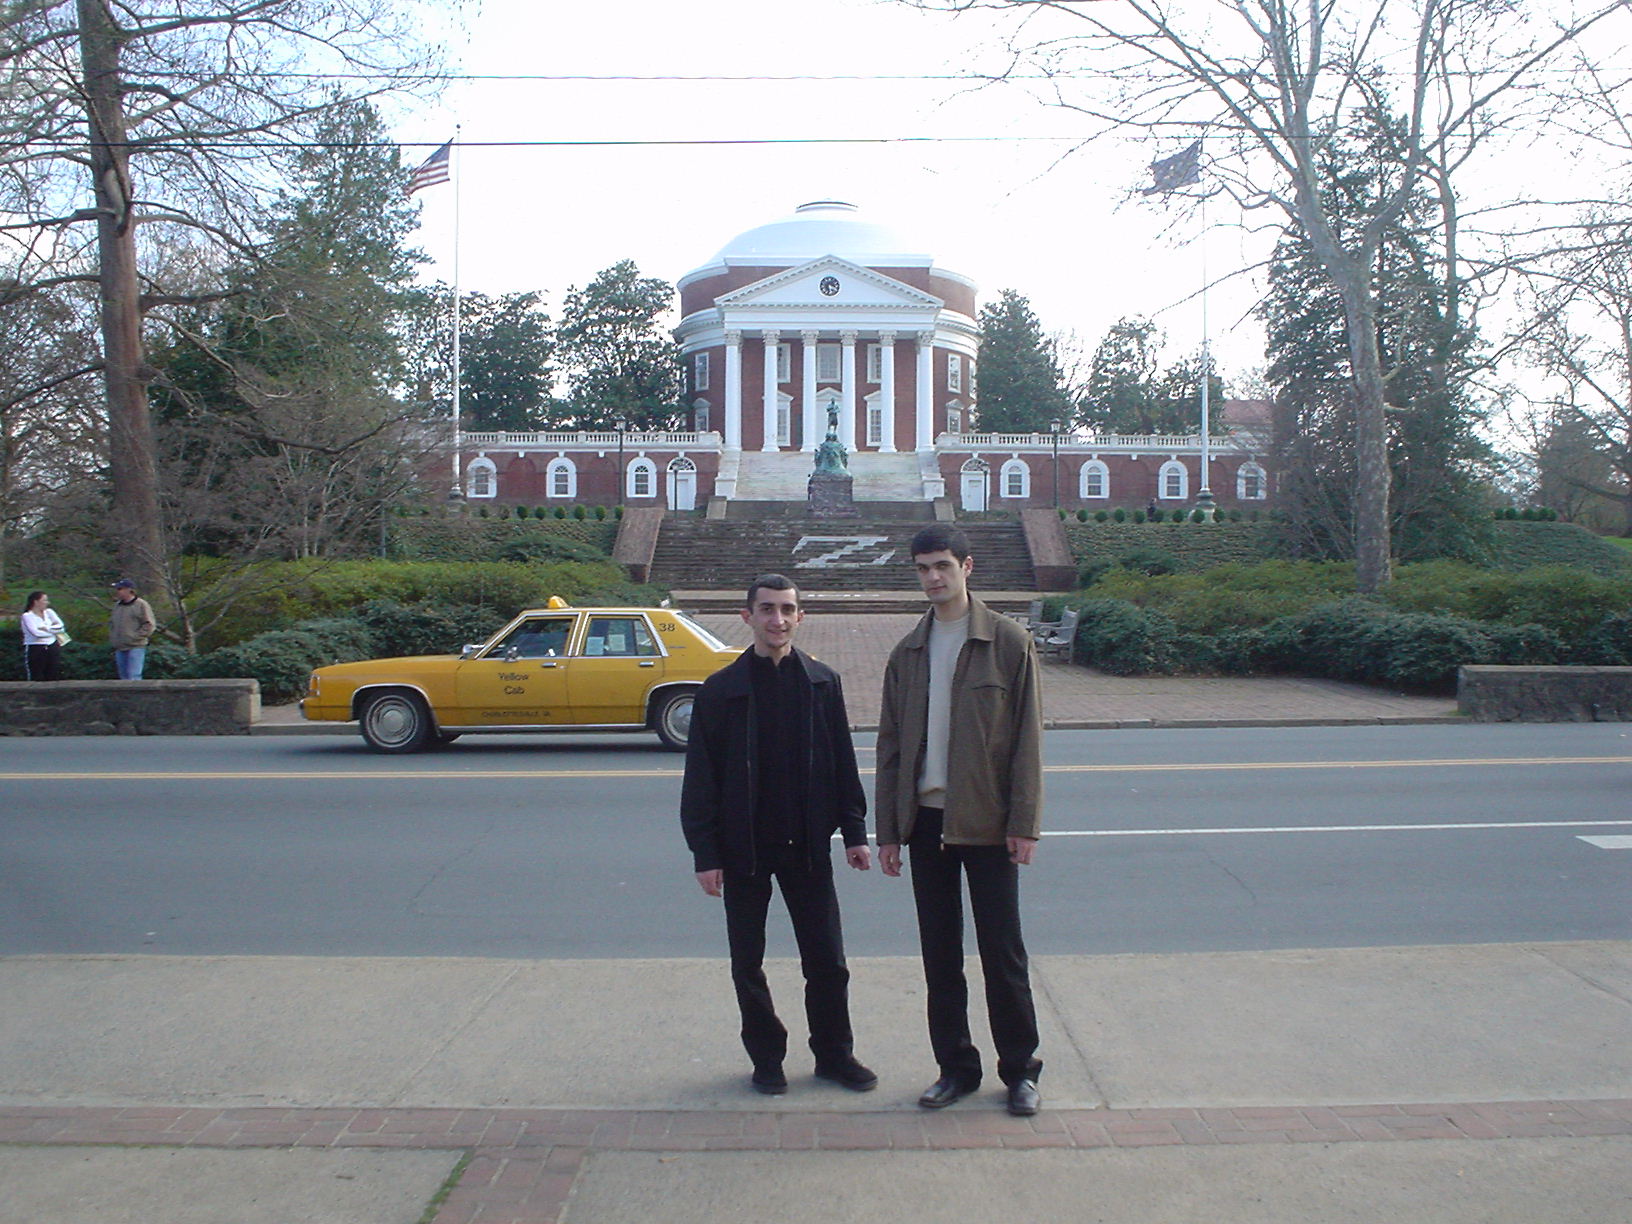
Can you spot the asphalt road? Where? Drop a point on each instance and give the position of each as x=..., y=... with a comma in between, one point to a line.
x=1158, y=841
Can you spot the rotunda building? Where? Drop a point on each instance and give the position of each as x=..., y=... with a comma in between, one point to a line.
x=823, y=312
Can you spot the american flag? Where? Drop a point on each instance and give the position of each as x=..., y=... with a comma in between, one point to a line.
x=433, y=170
x=1180, y=170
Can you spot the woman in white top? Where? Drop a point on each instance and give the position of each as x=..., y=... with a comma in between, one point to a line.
x=43, y=634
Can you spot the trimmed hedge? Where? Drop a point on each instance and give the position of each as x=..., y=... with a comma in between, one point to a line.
x=1518, y=545
x=298, y=590
x=1352, y=639
x=1515, y=544
x=473, y=538
x=1193, y=546
x=281, y=659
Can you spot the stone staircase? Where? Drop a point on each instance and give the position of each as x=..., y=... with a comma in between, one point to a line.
x=856, y=564
x=782, y=476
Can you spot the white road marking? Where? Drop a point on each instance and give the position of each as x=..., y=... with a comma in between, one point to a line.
x=1613, y=841
x=1371, y=828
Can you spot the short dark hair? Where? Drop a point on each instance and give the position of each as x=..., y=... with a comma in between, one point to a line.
x=32, y=596
x=771, y=582
x=937, y=536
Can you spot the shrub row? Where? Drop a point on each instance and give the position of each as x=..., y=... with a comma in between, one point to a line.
x=281, y=659
x=1351, y=639
x=471, y=538
x=1191, y=547
x=289, y=591
x=1234, y=514
x=1516, y=544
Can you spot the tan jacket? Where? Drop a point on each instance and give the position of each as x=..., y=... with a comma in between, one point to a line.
x=130, y=624
x=994, y=787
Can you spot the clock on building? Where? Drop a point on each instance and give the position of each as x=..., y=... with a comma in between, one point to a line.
x=829, y=286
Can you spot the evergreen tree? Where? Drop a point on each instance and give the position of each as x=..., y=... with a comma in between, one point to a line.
x=279, y=415
x=1436, y=460
x=1129, y=393
x=619, y=359
x=506, y=350
x=1020, y=383
x=1122, y=379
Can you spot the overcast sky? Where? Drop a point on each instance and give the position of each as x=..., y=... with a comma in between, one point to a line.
x=1004, y=211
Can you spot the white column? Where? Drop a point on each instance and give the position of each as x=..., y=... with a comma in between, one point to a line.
x=926, y=391
x=772, y=339
x=815, y=428
x=886, y=390
x=733, y=390
x=847, y=390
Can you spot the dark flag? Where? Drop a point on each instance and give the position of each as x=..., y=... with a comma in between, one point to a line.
x=432, y=171
x=1180, y=170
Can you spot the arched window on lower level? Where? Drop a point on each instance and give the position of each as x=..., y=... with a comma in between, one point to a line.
x=1173, y=481
x=1015, y=480
x=1251, y=483
x=641, y=479
x=561, y=478
x=1094, y=480
x=481, y=478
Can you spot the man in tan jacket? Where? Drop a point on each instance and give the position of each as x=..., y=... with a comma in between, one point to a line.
x=130, y=625
x=964, y=795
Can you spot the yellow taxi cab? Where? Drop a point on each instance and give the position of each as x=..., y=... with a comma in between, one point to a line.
x=551, y=668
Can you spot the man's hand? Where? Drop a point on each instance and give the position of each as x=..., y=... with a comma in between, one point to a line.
x=859, y=857
x=1021, y=850
x=712, y=881
x=889, y=858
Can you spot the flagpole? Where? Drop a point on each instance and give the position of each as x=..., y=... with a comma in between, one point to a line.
x=457, y=490
x=1204, y=497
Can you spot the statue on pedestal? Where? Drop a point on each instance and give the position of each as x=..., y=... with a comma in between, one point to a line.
x=829, y=492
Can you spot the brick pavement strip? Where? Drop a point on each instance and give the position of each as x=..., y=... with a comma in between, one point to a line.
x=525, y=1162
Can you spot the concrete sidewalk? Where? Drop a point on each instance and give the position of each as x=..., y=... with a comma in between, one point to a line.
x=1480, y=1083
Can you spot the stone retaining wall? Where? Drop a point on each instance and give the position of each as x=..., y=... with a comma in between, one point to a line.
x=129, y=707
x=1545, y=694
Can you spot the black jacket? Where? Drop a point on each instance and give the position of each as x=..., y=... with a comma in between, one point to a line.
x=722, y=783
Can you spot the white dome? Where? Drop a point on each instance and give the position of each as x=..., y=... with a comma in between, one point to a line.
x=823, y=227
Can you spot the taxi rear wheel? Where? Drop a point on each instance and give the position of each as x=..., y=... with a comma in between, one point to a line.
x=396, y=722
x=673, y=721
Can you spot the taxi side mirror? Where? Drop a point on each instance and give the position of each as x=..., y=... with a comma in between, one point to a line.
x=469, y=649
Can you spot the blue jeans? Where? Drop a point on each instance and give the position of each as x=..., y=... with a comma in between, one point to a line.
x=129, y=662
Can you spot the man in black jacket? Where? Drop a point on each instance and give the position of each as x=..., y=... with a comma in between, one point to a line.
x=770, y=776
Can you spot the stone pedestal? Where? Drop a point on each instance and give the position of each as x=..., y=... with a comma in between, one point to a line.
x=831, y=495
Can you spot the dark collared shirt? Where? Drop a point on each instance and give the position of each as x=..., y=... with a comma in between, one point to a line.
x=781, y=700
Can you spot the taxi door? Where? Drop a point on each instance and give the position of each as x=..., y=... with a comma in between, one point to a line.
x=618, y=662
x=520, y=680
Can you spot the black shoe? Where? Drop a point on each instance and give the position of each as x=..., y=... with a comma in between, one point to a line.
x=944, y=1091
x=1024, y=1099
x=850, y=1073
x=770, y=1081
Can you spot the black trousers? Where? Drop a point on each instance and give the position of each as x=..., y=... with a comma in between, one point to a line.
x=813, y=905
x=994, y=900
x=42, y=662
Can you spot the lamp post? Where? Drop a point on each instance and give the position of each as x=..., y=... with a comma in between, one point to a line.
x=1054, y=428
x=622, y=426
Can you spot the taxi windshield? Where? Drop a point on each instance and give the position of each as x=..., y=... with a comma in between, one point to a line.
x=708, y=639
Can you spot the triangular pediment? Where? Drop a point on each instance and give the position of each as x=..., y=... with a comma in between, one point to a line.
x=829, y=282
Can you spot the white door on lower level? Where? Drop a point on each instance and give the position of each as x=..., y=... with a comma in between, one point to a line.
x=683, y=488
x=974, y=491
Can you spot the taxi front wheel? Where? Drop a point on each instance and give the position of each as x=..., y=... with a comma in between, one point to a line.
x=673, y=719
x=396, y=722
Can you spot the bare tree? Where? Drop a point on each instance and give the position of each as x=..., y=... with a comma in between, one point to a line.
x=171, y=115
x=1580, y=339
x=51, y=431
x=1265, y=85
